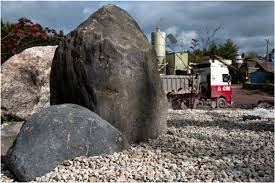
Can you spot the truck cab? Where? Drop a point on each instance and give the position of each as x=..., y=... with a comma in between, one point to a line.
x=215, y=83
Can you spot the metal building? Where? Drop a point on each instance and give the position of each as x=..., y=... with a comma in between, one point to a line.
x=177, y=63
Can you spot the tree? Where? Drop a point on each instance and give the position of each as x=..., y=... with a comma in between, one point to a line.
x=25, y=34
x=5, y=28
x=212, y=50
x=228, y=50
x=194, y=44
x=207, y=36
x=195, y=51
x=252, y=54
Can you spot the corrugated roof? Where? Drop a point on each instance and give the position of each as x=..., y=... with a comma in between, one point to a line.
x=266, y=66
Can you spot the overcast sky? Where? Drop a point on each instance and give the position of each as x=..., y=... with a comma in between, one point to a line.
x=248, y=24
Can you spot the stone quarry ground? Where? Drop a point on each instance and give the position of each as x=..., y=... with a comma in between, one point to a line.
x=200, y=145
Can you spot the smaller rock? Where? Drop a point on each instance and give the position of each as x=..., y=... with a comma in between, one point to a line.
x=8, y=135
x=66, y=163
x=76, y=131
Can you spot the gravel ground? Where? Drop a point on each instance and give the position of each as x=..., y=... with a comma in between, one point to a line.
x=200, y=145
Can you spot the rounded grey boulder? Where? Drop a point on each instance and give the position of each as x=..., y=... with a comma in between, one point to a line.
x=107, y=65
x=59, y=133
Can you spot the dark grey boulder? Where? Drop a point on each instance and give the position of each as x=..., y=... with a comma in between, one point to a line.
x=107, y=65
x=58, y=133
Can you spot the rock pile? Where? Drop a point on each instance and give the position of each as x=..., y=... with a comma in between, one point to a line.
x=108, y=66
x=259, y=113
x=215, y=145
x=25, y=82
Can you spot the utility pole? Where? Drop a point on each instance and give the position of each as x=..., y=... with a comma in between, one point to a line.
x=267, y=42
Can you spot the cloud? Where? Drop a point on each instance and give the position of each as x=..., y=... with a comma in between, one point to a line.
x=184, y=38
x=249, y=20
x=172, y=30
x=247, y=23
x=86, y=11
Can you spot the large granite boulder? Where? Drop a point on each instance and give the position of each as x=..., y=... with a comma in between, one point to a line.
x=25, y=79
x=58, y=133
x=107, y=65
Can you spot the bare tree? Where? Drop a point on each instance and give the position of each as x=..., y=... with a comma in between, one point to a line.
x=207, y=36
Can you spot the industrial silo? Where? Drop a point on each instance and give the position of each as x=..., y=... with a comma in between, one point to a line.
x=158, y=42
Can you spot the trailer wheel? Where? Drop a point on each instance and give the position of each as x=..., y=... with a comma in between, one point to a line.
x=213, y=104
x=221, y=103
x=198, y=104
x=175, y=103
x=183, y=106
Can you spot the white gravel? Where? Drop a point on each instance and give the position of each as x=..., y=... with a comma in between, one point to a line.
x=200, y=145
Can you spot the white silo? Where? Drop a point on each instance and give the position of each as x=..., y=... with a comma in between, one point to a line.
x=158, y=42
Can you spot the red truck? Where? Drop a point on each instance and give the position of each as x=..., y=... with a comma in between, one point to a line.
x=209, y=85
